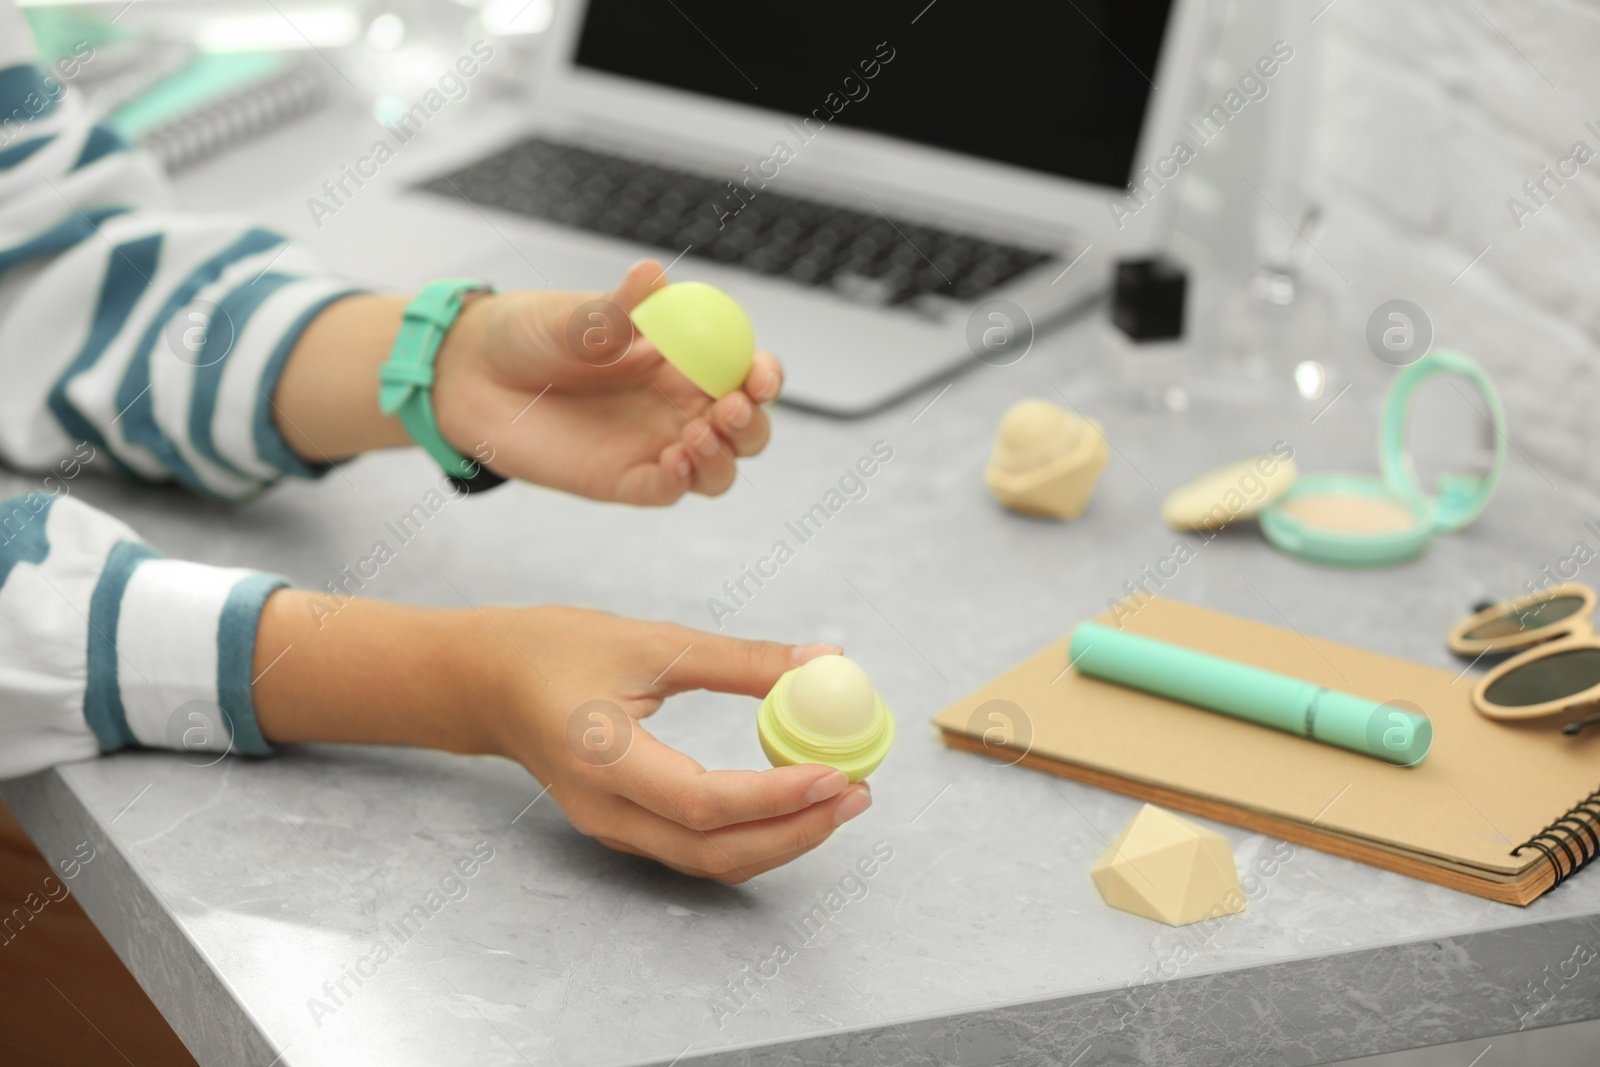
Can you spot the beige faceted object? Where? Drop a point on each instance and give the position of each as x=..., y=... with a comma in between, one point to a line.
x=1169, y=869
x=1046, y=460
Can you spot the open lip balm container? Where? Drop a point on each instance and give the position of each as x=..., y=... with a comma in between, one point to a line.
x=1353, y=520
x=702, y=331
x=827, y=712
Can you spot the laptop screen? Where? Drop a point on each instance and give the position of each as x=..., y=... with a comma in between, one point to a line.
x=1055, y=88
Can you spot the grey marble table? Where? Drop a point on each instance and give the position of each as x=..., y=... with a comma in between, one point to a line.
x=241, y=894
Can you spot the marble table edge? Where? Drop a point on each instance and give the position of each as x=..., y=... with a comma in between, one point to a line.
x=1311, y=1009
x=131, y=915
x=1369, y=998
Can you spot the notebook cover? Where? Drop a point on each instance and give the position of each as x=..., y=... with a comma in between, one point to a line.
x=1484, y=789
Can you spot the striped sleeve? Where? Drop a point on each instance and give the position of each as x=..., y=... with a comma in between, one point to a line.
x=154, y=336
x=106, y=645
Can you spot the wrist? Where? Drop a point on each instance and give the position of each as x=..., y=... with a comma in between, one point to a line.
x=506, y=680
x=326, y=403
x=456, y=368
x=352, y=671
x=473, y=671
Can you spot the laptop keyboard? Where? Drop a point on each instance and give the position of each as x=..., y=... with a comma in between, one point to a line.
x=863, y=254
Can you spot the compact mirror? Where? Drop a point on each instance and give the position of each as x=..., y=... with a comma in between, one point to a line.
x=1447, y=435
x=1360, y=521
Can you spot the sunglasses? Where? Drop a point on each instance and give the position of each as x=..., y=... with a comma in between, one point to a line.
x=1554, y=664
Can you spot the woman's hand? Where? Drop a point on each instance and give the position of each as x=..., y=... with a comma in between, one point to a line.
x=562, y=691
x=573, y=720
x=554, y=388
x=565, y=393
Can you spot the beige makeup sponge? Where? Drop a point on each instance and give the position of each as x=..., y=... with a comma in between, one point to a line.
x=1046, y=460
x=1033, y=433
x=1229, y=494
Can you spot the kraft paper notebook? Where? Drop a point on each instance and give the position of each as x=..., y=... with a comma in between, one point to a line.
x=1505, y=812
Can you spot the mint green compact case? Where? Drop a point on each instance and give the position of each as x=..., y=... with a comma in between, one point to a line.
x=1460, y=496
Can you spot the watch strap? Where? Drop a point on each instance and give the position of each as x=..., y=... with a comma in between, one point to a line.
x=405, y=381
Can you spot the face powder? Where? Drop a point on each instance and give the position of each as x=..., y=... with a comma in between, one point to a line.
x=1349, y=513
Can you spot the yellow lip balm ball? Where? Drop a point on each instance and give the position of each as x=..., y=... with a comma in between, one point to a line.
x=826, y=712
x=832, y=696
x=702, y=331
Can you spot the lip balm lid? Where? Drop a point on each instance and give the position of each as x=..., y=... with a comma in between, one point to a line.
x=702, y=331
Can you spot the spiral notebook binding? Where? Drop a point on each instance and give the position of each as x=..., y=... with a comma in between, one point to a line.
x=1578, y=828
x=295, y=91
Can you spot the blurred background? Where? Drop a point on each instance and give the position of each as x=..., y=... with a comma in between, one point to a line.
x=1384, y=163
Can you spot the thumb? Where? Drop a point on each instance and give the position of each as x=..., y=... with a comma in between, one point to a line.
x=595, y=327
x=642, y=279
x=731, y=665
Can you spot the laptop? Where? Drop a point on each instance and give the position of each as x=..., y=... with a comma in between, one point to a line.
x=892, y=190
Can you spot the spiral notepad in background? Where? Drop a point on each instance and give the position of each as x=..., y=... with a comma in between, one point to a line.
x=1500, y=810
x=162, y=92
x=217, y=101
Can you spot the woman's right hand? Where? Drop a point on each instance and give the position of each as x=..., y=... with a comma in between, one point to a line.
x=560, y=690
x=577, y=684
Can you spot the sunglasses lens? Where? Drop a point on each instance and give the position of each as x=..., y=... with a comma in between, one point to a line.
x=1533, y=617
x=1547, y=678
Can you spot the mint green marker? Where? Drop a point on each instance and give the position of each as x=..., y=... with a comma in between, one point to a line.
x=1289, y=704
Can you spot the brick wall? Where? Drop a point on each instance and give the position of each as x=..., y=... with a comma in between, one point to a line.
x=1431, y=116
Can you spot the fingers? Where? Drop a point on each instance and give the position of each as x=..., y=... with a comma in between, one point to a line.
x=745, y=873
x=730, y=664
x=735, y=427
x=729, y=825
x=660, y=483
x=738, y=419
x=844, y=811
x=736, y=853
x=765, y=380
x=741, y=424
x=661, y=779
x=751, y=870
x=730, y=854
x=714, y=469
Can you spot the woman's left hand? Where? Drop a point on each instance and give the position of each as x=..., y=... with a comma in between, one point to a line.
x=559, y=389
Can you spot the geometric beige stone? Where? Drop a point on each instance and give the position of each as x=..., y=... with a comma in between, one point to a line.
x=1046, y=460
x=1169, y=869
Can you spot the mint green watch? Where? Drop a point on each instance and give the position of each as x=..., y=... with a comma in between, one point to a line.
x=406, y=379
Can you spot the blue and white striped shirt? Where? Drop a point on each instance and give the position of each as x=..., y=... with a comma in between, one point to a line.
x=150, y=340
